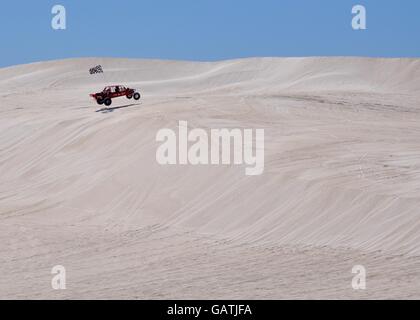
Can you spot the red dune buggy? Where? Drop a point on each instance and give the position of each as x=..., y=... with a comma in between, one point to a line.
x=105, y=97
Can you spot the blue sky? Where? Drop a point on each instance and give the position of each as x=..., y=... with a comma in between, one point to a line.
x=206, y=29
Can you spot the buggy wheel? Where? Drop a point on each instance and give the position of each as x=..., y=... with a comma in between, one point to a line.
x=107, y=102
x=100, y=101
x=137, y=96
x=129, y=96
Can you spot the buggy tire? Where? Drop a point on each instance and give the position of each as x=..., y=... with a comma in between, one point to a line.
x=100, y=101
x=136, y=96
x=107, y=102
x=129, y=96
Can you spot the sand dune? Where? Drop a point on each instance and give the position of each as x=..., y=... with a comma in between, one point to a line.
x=80, y=185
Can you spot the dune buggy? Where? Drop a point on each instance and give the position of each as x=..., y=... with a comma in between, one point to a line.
x=105, y=97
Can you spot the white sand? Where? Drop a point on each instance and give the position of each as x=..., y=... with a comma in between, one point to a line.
x=82, y=189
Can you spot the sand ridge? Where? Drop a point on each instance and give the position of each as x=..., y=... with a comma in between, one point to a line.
x=80, y=185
